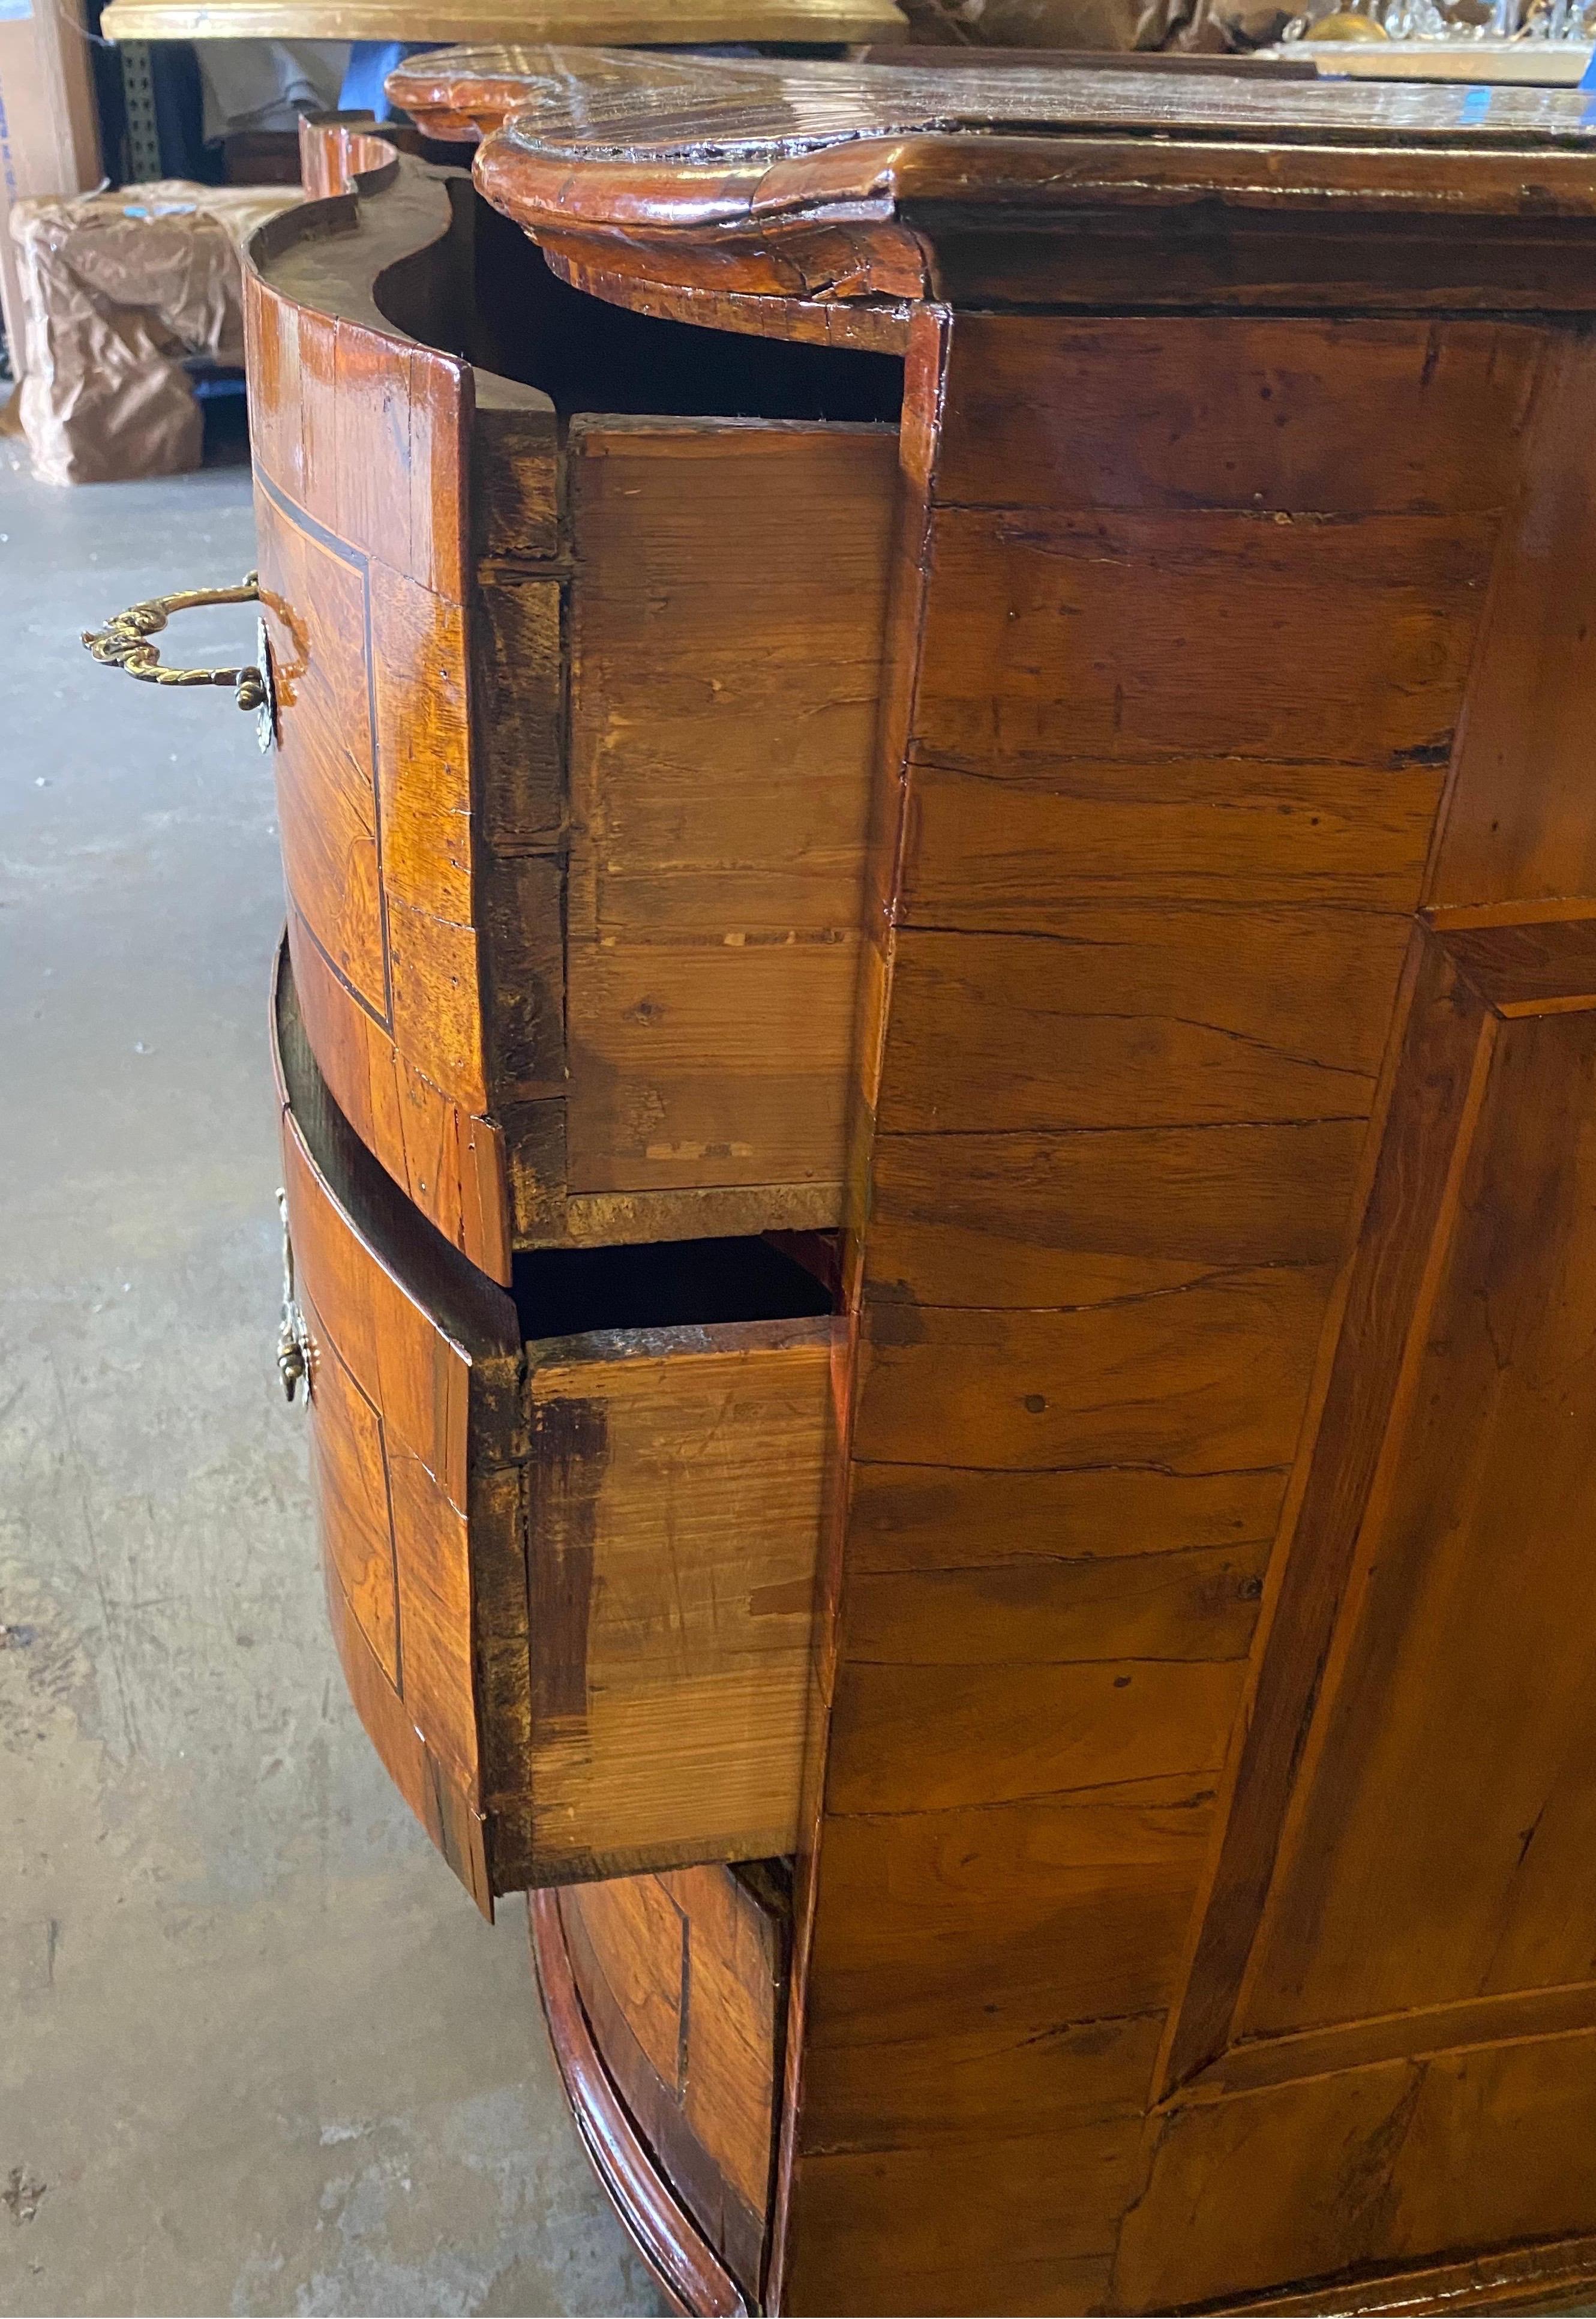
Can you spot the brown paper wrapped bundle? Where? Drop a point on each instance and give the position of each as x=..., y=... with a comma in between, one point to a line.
x=118, y=289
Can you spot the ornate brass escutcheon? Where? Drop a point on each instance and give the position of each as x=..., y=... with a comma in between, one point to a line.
x=295, y=1351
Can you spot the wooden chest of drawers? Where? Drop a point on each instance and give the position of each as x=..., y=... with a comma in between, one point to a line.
x=1046, y=722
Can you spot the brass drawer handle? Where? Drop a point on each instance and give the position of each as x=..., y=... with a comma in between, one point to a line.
x=124, y=643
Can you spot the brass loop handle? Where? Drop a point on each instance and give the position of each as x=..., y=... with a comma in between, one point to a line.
x=124, y=642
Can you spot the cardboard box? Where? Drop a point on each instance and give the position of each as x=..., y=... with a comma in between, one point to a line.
x=50, y=136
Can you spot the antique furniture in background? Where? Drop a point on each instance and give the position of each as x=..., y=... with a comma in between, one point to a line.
x=938, y=1044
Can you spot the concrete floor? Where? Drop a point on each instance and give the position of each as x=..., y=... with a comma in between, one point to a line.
x=258, y=2052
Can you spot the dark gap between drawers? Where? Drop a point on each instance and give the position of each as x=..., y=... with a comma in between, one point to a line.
x=569, y=1292
x=487, y=293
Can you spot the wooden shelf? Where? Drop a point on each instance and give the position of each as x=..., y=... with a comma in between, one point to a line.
x=577, y=22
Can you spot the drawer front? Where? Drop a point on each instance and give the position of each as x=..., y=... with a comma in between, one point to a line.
x=361, y=441
x=683, y=1978
x=416, y=1452
x=571, y=1578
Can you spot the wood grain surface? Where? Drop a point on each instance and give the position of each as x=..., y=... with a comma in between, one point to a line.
x=691, y=2274
x=723, y=706
x=1195, y=1901
x=415, y=1420
x=359, y=442
x=572, y=1578
x=633, y=22
x=674, y=1528
x=683, y=1978
x=605, y=999
x=1186, y=1776
x=1053, y=186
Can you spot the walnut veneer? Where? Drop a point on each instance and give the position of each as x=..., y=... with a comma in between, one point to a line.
x=574, y=774
x=1113, y=833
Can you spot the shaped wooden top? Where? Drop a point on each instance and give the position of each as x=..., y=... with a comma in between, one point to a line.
x=455, y=93
x=465, y=92
x=847, y=182
x=689, y=112
x=573, y=22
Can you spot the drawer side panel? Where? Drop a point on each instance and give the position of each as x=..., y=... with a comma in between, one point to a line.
x=362, y=457
x=674, y=1536
x=728, y=613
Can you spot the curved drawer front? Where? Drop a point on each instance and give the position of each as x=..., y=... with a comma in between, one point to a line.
x=359, y=440
x=573, y=752
x=682, y=1979
x=571, y=1575
x=418, y=1451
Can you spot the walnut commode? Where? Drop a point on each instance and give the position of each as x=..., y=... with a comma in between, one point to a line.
x=938, y=1042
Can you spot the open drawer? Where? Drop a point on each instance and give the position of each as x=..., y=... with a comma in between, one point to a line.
x=569, y=1534
x=575, y=621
